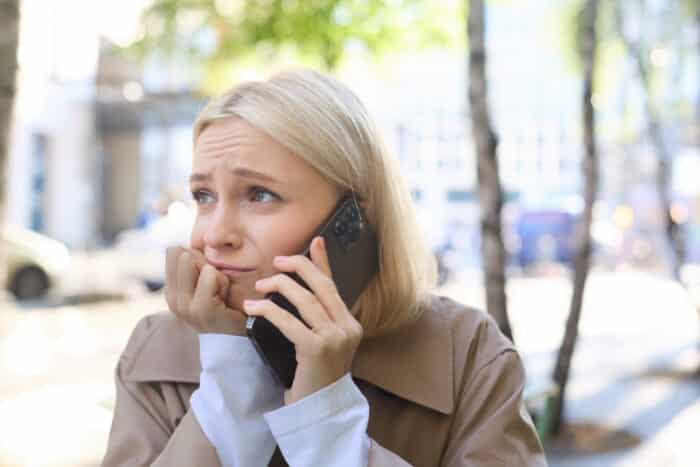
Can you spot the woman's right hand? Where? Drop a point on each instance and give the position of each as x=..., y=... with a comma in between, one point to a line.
x=196, y=292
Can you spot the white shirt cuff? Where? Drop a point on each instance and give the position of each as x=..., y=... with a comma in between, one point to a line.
x=225, y=349
x=328, y=427
x=234, y=391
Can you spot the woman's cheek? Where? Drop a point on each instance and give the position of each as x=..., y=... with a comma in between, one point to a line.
x=196, y=238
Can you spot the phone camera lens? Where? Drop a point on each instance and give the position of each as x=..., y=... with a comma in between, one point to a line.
x=340, y=228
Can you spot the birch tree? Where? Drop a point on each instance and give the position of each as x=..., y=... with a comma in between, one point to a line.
x=490, y=192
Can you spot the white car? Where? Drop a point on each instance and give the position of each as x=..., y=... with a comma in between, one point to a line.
x=35, y=262
x=141, y=252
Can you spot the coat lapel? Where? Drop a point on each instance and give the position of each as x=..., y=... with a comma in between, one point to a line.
x=414, y=362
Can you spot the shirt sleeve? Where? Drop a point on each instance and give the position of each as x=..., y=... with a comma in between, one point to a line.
x=328, y=427
x=235, y=390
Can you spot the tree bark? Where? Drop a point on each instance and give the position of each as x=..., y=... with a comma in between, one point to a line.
x=697, y=30
x=9, y=35
x=663, y=174
x=9, y=32
x=582, y=255
x=490, y=193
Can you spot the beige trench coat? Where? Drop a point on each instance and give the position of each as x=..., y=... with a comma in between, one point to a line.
x=444, y=391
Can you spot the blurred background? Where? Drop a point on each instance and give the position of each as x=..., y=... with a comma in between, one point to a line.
x=585, y=123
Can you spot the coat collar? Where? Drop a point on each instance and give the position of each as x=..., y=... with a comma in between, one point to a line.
x=415, y=362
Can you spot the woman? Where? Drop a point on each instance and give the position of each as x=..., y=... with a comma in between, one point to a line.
x=404, y=378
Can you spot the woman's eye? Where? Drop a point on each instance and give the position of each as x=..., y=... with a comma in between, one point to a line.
x=202, y=197
x=261, y=195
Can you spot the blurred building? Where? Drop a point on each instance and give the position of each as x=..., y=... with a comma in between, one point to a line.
x=144, y=121
x=51, y=168
x=96, y=141
x=102, y=145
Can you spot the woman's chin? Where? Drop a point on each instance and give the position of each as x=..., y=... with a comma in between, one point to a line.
x=237, y=294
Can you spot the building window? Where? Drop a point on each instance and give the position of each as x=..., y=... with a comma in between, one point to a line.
x=460, y=196
x=38, y=181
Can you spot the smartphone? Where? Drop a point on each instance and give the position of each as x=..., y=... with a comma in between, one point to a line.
x=353, y=255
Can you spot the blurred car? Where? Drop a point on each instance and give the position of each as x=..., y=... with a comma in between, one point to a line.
x=545, y=236
x=140, y=252
x=35, y=262
x=543, y=229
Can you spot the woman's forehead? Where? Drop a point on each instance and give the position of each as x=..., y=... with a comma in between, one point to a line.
x=242, y=150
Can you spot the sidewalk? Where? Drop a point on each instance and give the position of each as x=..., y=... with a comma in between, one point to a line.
x=676, y=445
x=634, y=370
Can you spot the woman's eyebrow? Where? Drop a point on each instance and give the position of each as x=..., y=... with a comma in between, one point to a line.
x=239, y=171
x=248, y=173
x=199, y=177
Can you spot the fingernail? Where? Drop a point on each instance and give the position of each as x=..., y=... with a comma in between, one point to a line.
x=281, y=259
x=251, y=304
x=323, y=243
x=260, y=282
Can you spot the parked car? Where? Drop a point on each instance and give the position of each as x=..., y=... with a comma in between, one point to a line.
x=35, y=262
x=141, y=251
x=545, y=236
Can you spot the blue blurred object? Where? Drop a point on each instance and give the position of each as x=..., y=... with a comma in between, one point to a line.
x=692, y=242
x=545, y=236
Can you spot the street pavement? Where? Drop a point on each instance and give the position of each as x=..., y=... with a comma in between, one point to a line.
x=633, y=395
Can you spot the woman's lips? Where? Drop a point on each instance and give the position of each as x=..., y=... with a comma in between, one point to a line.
x=230, y=270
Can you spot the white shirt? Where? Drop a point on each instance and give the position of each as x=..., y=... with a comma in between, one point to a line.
x=240, y=408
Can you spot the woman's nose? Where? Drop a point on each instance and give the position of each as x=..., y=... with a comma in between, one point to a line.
x=224, y=230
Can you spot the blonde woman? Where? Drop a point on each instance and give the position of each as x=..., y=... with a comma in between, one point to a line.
x=404, y=378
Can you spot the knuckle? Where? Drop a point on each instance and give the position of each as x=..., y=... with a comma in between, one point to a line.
x=357, y=330
x=328, y=285
x=277, y=279
x=309, y=299
x=324, y=348
x=298, y=259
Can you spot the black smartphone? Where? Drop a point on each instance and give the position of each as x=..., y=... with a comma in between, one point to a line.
x=353, y=255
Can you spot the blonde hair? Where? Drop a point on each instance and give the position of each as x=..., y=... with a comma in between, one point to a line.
x=323, y=122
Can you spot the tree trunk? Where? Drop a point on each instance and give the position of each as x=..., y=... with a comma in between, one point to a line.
x=9, y=29
x=663, y=175
x=582, y=256
x=9, y=32
x=490, y=193
x=697, y=30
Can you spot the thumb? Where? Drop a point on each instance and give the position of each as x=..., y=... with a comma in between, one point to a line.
x=223, y=283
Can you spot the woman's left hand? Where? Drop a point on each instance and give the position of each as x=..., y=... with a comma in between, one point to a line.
x=326, y=347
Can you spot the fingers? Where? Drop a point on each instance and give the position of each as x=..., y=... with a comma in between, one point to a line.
x=197, y=258
x=318, y=277
x=288, y=325
x=197, y=293
x=222, y=280
x=171, y=257
x=207, y=287
x=319, y=256
x=186, y=280
x=306, y=303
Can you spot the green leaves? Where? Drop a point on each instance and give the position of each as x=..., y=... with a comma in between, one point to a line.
x=216, y=35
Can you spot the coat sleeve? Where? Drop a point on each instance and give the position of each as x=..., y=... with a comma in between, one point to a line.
x=142, y=435
x=491, y=425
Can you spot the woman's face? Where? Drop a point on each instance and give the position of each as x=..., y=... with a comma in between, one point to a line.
x=255, y=200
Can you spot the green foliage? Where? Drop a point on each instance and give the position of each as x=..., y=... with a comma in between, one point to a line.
x=566, y=21
x=215, y=34
x=691, y=7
